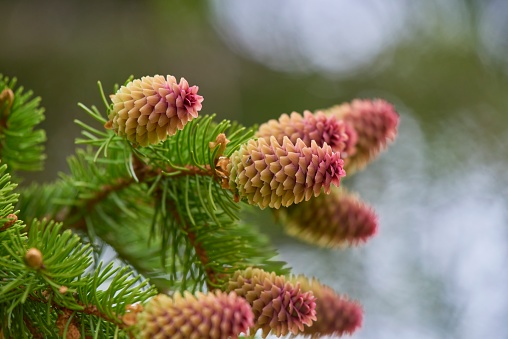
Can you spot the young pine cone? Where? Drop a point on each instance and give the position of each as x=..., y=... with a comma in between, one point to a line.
x=318, y=127
x=214, y=315
x=148, y=110
x=336, y=314
x=375, y=122
x=268, y=173
x=334, y=220
x=279, y=306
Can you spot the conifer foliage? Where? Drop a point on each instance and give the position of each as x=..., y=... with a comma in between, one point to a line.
x=143, y=236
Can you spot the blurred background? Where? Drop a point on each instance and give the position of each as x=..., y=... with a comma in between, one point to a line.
x=439, y=266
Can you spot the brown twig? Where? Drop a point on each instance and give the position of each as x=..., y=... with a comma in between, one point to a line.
x=203, y=258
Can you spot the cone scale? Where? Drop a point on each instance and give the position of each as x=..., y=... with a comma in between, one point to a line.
x=204, y=316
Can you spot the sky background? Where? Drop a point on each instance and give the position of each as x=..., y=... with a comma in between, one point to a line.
x=437, y=268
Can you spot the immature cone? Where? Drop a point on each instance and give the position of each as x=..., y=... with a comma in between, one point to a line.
x=270, y=174
x=318, y=127
x=213, y=315
x=333, y=220
x=148, y=110
x=336, y=314
x=279, y=307
x=375, y=122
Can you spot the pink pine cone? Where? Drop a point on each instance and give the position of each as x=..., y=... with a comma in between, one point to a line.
x=334, y=220
x=214, y=315
x=148, y=110
x=318, y=127
x=336, y=314
x=375, y=122
x=270, y=174
x=279, y=307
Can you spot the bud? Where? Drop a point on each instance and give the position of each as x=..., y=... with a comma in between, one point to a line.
x=375, y=122
x=318, y=127
x=130, y=317
x=148, y=110
x=6, y=101
x=270, y=174
x=336, y=314
x=11, y=220
x=333, y=220
x=279, y=307
x=221, y=141
x=33, y=258
x=213, y=315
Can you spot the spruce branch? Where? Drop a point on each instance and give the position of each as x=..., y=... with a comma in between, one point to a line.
x=164, y=188
x=47, y=267
x=193, y=152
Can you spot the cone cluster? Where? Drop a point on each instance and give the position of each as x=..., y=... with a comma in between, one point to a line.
x=270, y=174
x=333, y=220
x=213, y=315
x=279, y=306
x=148, y=110
x=336, y=314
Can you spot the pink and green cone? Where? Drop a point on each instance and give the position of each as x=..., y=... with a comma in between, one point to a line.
x=148, y=110
x=280, y=307
x=270, y=174
x=336, y=314
x=375, y=122
x=318, y=127
x=214, y=316
x=335, y=220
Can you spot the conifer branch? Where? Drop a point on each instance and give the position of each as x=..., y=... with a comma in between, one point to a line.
x=89, y=309
x=164, y=187
x=144, y=173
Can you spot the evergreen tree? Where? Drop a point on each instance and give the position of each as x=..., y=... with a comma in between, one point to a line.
x=163, y=187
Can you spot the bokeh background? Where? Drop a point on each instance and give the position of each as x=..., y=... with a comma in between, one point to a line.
x=439, y=266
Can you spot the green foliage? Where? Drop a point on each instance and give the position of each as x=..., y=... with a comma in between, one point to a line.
x=61, y=283
x=179, y=200
x=162, y=216
x=21, y=145
x=63, y=259
x=161, y=208
x=7, y=198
